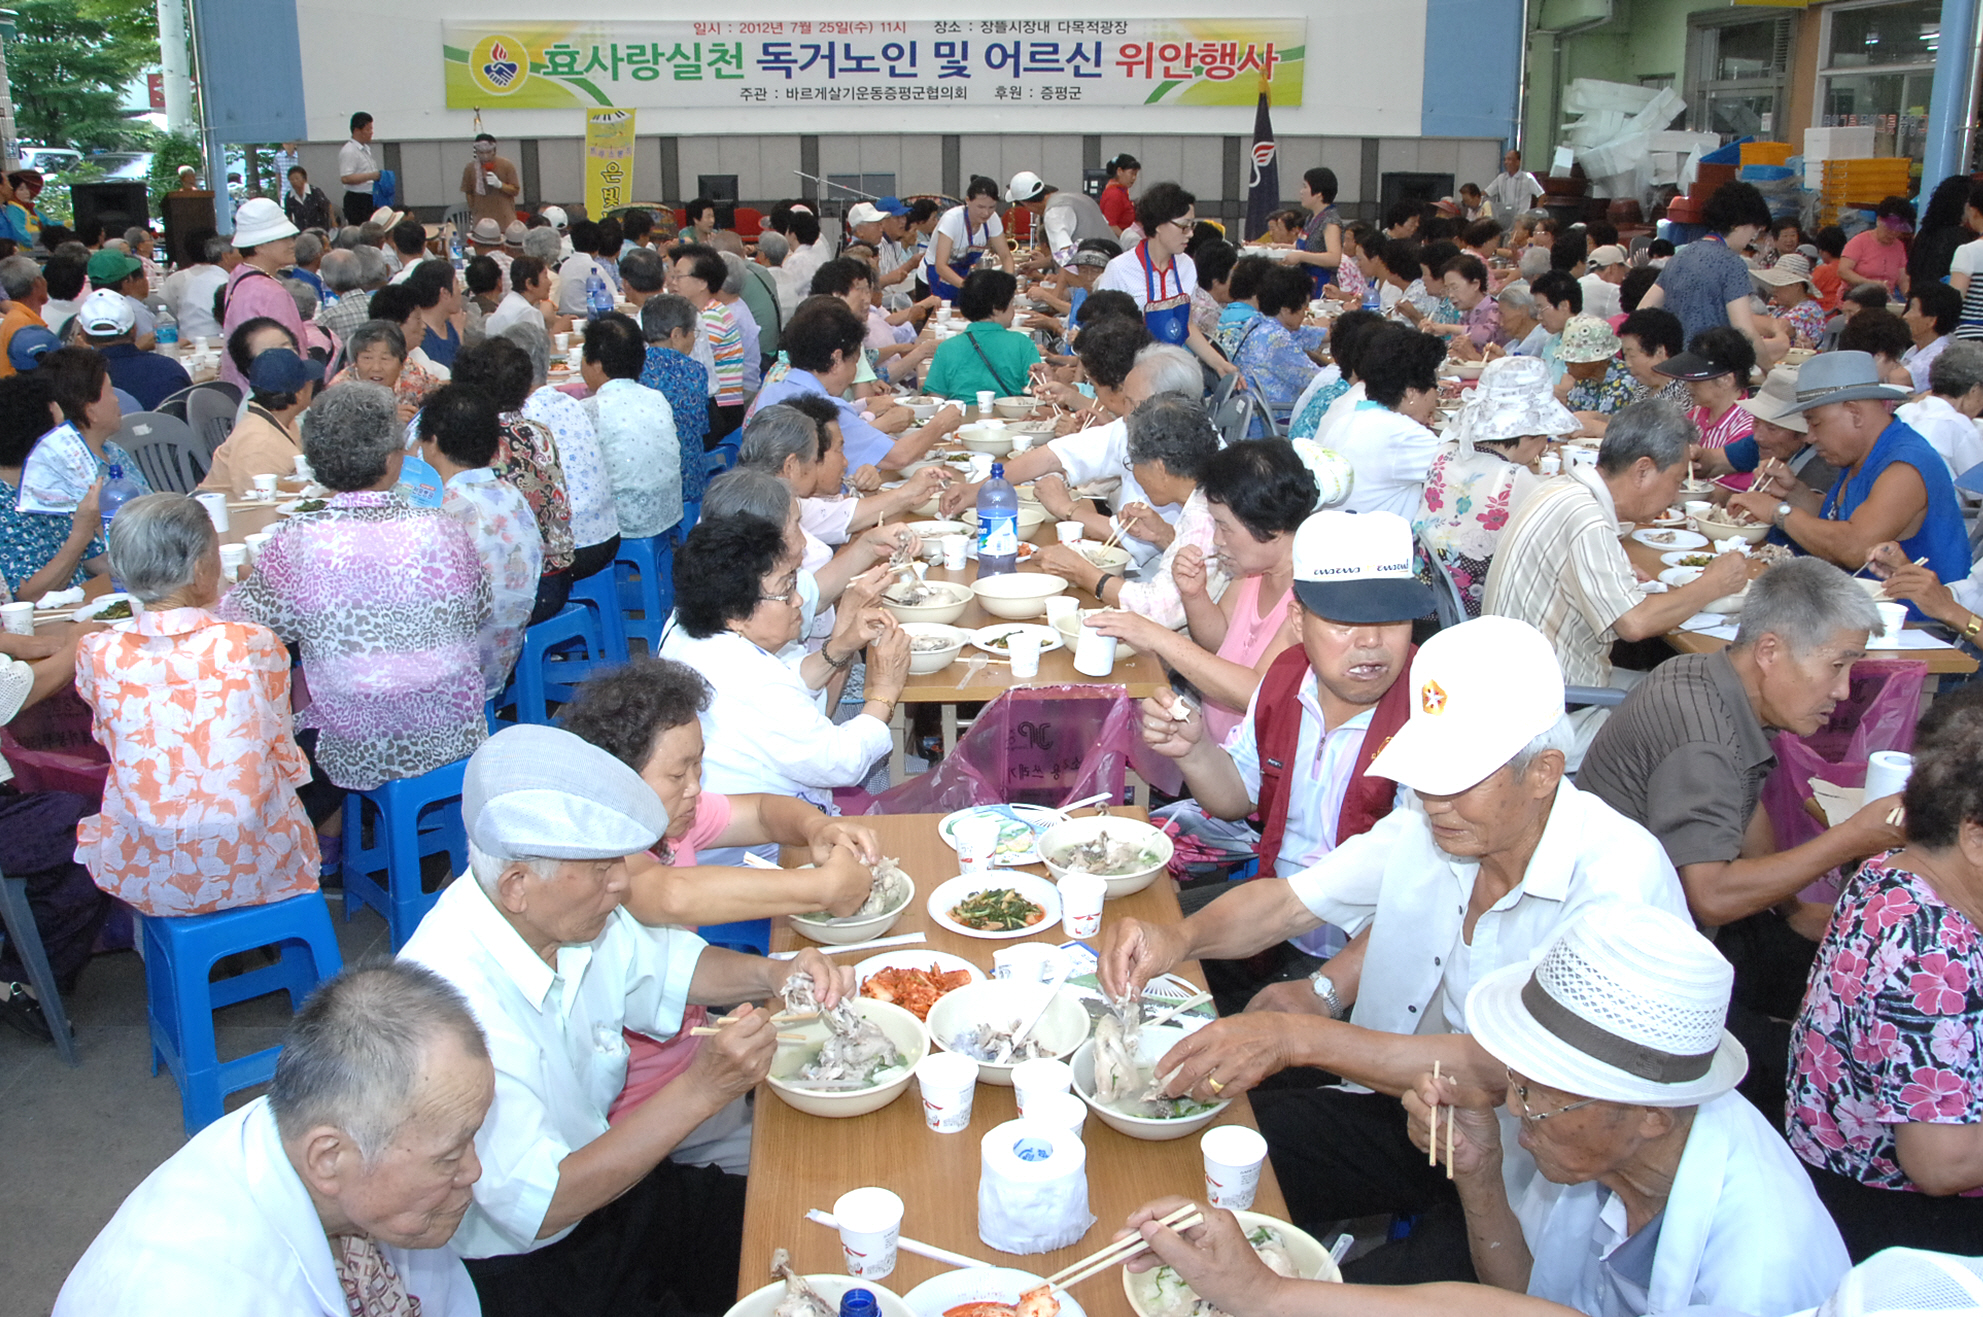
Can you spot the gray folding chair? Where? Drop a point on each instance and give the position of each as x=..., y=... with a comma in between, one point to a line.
x=173, y=462
x=210, y=411
x=19, y=922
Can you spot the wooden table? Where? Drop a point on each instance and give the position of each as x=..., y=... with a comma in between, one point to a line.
x=1941, y=662
x=800, y=1162
x=1142, y=675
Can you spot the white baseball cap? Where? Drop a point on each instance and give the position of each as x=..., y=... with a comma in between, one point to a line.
x=557, y=217
x=864, y=214
x=1480, y=692
x=106, y=311
x=1357, y=567
x=1609, y=254
x=1026, y=186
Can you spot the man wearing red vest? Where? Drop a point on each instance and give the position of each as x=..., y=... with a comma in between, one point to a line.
x=1325, y=708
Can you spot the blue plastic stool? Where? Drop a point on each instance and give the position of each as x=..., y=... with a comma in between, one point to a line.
x=573, y=636
x=181, y=952
x=600, y=592
x=411, y=817
x=645, y=570
x=746, y=935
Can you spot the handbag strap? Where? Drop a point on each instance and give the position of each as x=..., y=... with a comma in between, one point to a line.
x=997, y=379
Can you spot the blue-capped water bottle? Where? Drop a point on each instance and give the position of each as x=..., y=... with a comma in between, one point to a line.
x=998, y=524
x=118, y=490
x=598, y=297
x=1371, y=301
x=859, y=1303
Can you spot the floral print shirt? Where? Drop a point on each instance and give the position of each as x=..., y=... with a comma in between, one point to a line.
x=411, y=389
x=643, y=457
x=386, y=602
x=593, y=517
x=1607, y=393
x=1268, y=356
x=504, y=534
x=1305, y=425
x=200, y=811
x=1468, y=498
x=1805, y=321
x=684, y=383
x=1887, y=1035
x=528, y=459
x=29, y=541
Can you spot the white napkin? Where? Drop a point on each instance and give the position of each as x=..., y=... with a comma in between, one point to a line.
x=68, y=598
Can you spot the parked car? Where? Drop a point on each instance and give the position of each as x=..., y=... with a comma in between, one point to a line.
x=50, y=159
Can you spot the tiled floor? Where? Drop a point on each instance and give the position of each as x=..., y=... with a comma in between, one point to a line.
x=73, y=1143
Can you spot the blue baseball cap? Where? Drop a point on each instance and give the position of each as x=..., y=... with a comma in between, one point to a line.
x=279, y=370
x=891, y=206
x=29, y=345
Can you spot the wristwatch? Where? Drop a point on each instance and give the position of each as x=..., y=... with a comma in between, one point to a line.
x=1325, y=989
x=1783, y=510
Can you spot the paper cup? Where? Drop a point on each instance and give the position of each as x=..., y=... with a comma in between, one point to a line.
x=303, y=471
x=265, y=487
x=255, y=543
x=1081, y=898
x=948, y=1081
x=1024, y=648
x=1069, y=532
x=1697, y=507
x=562, y=342
x=1028, y=962
x=1094, y=653
x=985, y=399
x=1549, y=464
x=233, y=559
x=216, y=506
x=17, y=618
x=1038, y=1077
x=1887, y=772
x=1893, y=617
x=1059, y=606
x=1233, y=1154
x=1064, y=1110
x=870, y=1224
x=977, y=842
x=953, y=551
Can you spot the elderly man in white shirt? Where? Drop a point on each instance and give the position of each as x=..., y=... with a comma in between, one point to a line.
x=635, y=427
x=349, y=1176
x=1502, y=852
x=572, y=1214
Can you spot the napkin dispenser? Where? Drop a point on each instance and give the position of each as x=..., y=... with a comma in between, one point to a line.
x=1033, y=1189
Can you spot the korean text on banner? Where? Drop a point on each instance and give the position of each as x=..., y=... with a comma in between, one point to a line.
x=608, y=161
x=1160, y=61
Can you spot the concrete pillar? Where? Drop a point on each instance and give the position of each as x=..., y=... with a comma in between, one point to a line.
x=1950, y=116
x=175, y=67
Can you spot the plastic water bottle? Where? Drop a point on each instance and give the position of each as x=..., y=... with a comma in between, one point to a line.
x=1371, y=301
x=998, y=525
x=859, y=1303
x=598, y=297
x=167, y=333
x=118, y=490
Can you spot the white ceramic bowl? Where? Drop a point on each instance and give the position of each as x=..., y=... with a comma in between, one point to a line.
x=1311, y=1262
x=1466, y=370
x=949, y=1290
x=1014, y=409
x=1031, y=517
x=1062, y=835
x=1070, y=632
x=1003, y=1002
x=1017, y=595
x=1679, y=576
x=902, y=1028
x=841, y=932
x=1721, y=530
x=923, y=407
x=924, y=662
x=959, y=598
x=1152, y=1041
x=831, y=1286
x=927, y=530
x=986, y=439
x=88, y=612
x=1038, y=429
x=1105, y=556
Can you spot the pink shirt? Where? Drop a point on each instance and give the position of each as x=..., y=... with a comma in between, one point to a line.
x=652, y=1064
x=1873, y=259
x=1248, y=638
x=252, y=292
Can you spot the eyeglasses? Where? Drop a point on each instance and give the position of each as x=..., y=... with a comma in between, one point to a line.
x=1185, y=222
x=791, y=592
x=1521, y=1092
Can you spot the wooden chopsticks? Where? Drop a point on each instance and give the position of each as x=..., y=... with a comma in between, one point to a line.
x=1432, y=1144
x=1121, y=1250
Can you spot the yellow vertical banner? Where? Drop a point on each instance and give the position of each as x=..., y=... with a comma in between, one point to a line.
x=608, y=161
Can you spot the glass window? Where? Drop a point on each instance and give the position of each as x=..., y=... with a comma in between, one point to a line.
x=1879, y=70
x=1903, y=33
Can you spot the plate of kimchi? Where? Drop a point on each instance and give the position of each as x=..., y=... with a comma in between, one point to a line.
x=913, y=979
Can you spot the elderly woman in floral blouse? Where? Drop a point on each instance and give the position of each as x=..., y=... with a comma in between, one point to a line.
x=385, y=601
x=1481, y=474
x=1596, y=381
x=1467, y=288
x=200, y=811
x=528, y=460
x=1261, y=332
x=376, y=353
x=1886, y=1090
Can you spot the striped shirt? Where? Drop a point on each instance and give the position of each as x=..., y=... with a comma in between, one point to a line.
x=1561, y=569
x=726, y=341
x=1720, y=432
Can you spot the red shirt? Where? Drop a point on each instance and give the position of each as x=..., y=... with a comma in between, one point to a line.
x=1117, y=208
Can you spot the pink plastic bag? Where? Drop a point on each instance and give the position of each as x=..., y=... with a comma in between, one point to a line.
x=1878, y=714
x=1039, y=745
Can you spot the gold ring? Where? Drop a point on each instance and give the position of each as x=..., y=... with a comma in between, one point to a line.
x=1212, y=1081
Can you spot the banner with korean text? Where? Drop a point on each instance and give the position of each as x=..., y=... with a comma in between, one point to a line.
x=1190, y=61
x=608, y=161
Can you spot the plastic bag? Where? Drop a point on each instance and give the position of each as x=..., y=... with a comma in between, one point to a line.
x=1878, y=714
x=1038, y=745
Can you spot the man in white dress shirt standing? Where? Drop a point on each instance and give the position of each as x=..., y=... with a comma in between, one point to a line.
x=346, y=1180
x=573, y=1215
x=1512, y=190
x=358, y=170
x=1499, y=855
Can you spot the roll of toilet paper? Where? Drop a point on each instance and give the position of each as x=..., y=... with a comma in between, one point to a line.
x=1887, y=772
x=1033, y=1189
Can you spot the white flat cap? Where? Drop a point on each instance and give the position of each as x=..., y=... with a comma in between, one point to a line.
x=542, y=793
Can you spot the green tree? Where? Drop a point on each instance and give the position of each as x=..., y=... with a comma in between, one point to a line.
x=69, y=63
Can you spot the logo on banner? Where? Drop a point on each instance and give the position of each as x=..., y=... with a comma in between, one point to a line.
x=499, y=64
x=1263, y=155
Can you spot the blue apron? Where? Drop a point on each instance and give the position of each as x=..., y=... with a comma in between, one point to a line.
x=961, y=266
x=1168, y=318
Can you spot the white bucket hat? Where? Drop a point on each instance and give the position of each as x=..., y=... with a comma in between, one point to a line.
x=1513, y=400
x=260, y=220
x=1628, y=1006
x=1481, y=691
x=1907, y=1281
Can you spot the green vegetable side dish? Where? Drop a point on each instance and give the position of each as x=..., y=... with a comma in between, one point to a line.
x=996, y=910
x=311, y=505
x=116, y=612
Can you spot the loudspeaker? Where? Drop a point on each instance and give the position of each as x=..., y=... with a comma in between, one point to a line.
x=185, y=214
x=118, y=205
